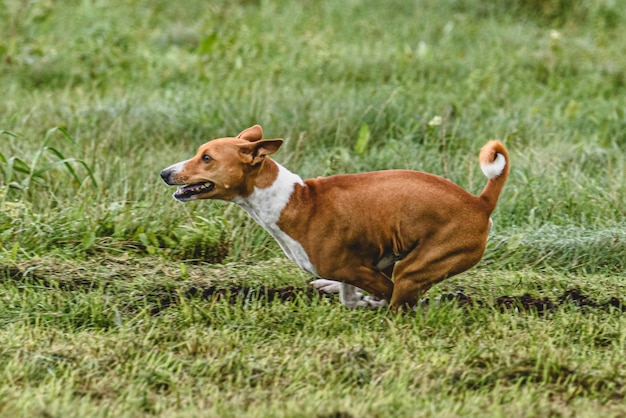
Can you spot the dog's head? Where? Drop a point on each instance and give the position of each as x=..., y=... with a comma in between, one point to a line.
x=223, y=168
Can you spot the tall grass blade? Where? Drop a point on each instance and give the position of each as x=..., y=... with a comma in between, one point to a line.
x=67, y=163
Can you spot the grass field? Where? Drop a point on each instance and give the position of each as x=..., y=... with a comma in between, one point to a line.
x=115, y=300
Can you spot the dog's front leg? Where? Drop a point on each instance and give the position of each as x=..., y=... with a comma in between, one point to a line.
x=352, y=297
x=326, y=286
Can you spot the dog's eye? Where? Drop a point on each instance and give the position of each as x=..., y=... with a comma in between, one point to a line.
x=206, y=158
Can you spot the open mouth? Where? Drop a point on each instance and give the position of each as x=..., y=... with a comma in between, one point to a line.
x=186, y=192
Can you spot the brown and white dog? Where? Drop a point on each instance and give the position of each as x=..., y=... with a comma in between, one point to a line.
x=360, y=230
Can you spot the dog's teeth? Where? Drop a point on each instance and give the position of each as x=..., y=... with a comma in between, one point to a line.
x=194, y=188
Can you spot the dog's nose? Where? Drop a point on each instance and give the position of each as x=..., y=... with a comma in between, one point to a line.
x=165, y=175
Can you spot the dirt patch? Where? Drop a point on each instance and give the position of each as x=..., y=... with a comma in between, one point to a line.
x=541, y=305
x=237, y=295
x=576, y=297
x=61, y=278
x=161, y=297
x=233, y=295
x=524, y=303
x=571, y=296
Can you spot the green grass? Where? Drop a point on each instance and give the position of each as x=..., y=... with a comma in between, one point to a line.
x=107, y=284
x=106, y=343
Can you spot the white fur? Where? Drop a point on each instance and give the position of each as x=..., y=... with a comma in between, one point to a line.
x=176, y=168
x=350, y=296
x=326, y=286
x=265, y=206
x=375, y=303
x=495, y=168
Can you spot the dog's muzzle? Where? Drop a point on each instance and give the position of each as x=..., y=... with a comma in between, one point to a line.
x=186, y=191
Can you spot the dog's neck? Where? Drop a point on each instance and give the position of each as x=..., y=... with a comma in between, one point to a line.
x=265, y=205
x=272, y=190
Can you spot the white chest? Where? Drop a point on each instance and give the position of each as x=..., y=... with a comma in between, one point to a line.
x=265, y=206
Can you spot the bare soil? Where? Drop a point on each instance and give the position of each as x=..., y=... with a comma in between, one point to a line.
x=162, y=297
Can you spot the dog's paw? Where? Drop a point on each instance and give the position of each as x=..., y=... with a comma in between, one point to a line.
x=351, y=297
x=355, y=304
x=374, y=302
x=365, y=302
x=326, y=286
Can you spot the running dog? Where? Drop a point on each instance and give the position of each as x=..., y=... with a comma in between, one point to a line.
x=392, y=233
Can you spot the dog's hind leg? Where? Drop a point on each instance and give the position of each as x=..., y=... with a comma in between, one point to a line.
x=421, y=269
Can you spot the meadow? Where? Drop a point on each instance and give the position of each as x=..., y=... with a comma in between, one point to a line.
x=116, y=300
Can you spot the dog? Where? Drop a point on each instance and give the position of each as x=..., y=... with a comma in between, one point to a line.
x=392, y=233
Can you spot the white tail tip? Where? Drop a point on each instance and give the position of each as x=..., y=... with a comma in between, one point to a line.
x=494, y=168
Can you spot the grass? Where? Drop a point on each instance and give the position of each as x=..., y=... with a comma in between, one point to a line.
x=117, y=301
x=119, y=350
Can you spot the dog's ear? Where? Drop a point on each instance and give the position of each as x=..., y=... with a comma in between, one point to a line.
x=252, y=134
x=255, y=152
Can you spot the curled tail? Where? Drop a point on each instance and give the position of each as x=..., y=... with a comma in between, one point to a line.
x=494, y=162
